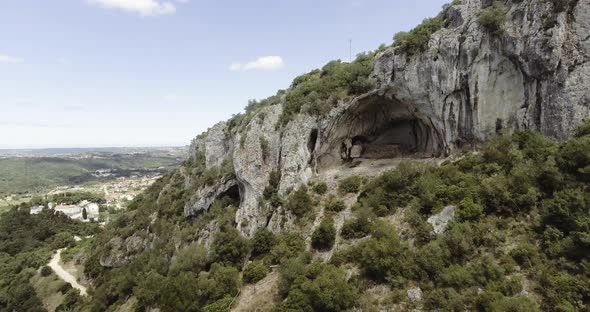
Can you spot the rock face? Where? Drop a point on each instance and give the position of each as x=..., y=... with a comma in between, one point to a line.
x=467, y=86
x=414, y=294
x=440, y=221
x=469, y=83
x=123, y=251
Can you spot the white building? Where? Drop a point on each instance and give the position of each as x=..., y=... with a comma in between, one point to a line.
x=37, y=209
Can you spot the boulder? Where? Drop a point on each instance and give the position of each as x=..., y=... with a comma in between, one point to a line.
x=441, y=220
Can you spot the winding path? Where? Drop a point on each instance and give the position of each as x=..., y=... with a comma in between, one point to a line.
x=65, y=275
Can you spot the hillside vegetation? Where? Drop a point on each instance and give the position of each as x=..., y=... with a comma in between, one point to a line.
x=518, y=238
x=32, y=174
x=518, y=241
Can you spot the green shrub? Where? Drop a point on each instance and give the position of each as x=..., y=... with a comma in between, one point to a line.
x=443, y=299
x=318, y=91
x=416, y=40
x=351, y=184
x=271, y=192
x=385, y=257
x=70, y=299
x=255, y=271
x=320, y=188
x=221, y=305
x=324, y=236
x=63, y=240
x=299, y=202
x=391, y=190
x=316, y=287
x=264, y=148
x=491, y=301
x=574, y=157
x=288, y=246
x=46, y=271
x=335, y=204
x=583, y=129
x=525, y=254
x=356, y=228
x=230, y=247
x=262, y=242
x=469, y=211
x=457, y=276
x=432, y=259
x=563, y=291
x=493, y=18
x=191, y=258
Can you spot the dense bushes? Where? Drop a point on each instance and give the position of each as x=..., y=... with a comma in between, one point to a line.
x=299, y=202
x=262, y=242
x=357, y=227
x=315, y=287
x=255, y=271
x=335, y=204
x=416, y=40
x=318, y=91
x=493, y=18
x=230, y=247
x=320, y=188
x=324, y=235
x=351, y=184
x=521, y=225
x=26, y=243
x=513, y=191
x=385, y=257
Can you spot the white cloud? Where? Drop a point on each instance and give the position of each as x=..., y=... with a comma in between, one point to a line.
x=10, y=59
x=269, y=63
x=141, y=7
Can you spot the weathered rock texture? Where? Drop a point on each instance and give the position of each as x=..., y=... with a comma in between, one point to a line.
x=468, y=85
x=440, y=221
x=471, y=83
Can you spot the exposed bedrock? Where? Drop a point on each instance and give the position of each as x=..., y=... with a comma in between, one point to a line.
x=466, y=87
x=473, y=83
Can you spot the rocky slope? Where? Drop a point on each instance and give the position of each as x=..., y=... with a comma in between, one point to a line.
x=464, y=88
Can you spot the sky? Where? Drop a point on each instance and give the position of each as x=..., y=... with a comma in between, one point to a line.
x=104, y=73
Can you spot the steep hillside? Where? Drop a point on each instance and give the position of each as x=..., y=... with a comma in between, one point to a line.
x=442, y=173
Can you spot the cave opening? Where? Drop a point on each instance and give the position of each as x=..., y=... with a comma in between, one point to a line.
x=378, y=127
x=313, y=139
x=231, y=197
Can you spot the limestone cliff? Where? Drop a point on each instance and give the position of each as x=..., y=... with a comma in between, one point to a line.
x=468, y=85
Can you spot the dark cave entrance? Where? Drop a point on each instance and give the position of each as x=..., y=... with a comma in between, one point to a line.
x=377, y=127
x=231, y=196
x=403, y=138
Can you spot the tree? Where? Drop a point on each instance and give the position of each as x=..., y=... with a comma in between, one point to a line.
x=230, y=247
x=493, y=18
x=324, y=235
x=255, y=271
x=84, y=214
x=299, y=202
x=262, y=242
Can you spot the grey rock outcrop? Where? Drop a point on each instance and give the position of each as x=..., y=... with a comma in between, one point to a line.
x=467, y=86
x=122, y=251
x=216, y=145
x=470, y=83
x=255, y=157
x=414, y=294
x=440, y=221
x=204, y=198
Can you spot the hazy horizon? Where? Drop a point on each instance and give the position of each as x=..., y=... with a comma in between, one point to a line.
x=111, y=73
